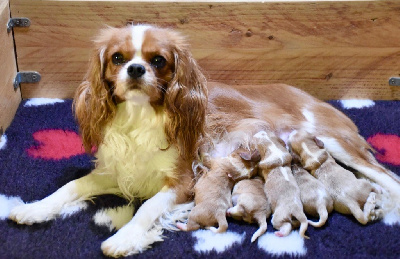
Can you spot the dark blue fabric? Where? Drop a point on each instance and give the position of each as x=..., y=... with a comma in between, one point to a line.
x=78, y=236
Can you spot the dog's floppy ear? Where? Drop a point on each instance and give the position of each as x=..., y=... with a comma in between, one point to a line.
x=186, y=100
x=318, y=142
x=93, y=103
x=251, y=156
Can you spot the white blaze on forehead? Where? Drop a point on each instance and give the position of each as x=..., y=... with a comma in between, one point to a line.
x=314, y=156
x=138, y=32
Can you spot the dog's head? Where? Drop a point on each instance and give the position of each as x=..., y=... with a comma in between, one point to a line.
x=143, y=64
x=307, y=150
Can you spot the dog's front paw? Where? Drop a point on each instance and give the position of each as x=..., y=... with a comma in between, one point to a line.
x=129, y=240
x=31, y=213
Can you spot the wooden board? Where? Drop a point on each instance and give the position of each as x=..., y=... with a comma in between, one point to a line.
x=337, y=49
x=9, y=98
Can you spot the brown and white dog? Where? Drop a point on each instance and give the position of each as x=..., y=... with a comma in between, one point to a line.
x=212, y=192
x=349, y=194
x=144, y=105
x=250, y=204
x=314, y=196
x=280, y=185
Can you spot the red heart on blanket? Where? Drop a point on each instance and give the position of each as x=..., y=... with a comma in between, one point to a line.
x=56, y=144
x=388, y=147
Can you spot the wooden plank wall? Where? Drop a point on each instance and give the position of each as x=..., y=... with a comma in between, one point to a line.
x=332, y=49
x=9, y=98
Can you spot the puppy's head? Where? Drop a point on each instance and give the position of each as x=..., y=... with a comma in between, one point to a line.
x=143, y=64
x=307, y=150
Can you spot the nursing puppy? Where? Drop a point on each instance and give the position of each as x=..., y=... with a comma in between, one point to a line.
x=350, y=195
x=250, y=204
x=280, y=185
x=213, y=190
x=314, y=196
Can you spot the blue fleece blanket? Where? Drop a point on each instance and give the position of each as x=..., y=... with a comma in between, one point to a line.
x=41, y=151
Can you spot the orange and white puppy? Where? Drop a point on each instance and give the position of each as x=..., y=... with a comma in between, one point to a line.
x=316, y=200
x=350, y=195
x=136, y=107
x=212, y=192
x=280, y=186
x=298, y=110
x=250, y=204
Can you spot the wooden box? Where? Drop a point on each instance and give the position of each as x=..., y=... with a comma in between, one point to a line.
x=331, y=49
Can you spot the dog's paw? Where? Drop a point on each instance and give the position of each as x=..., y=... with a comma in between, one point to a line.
x=31, y=213
x=371, y=209
x=182, y=226
x=129, y=240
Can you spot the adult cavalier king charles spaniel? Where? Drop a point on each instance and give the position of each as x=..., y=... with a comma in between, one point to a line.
x=147, y=110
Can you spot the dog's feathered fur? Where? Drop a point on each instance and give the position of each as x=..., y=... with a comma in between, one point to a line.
x=167, y=85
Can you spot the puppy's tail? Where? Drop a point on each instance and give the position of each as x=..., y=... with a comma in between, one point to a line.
x=222, y=224
x=301, y=217
x=262, y=222
x=323, y=217
x=191, y=225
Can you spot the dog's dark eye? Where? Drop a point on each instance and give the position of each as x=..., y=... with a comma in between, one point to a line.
x=118, y=59
x=158, y=62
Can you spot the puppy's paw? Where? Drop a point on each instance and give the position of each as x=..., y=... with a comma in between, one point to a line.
x=130, y=240
x=182, y=226
x=371, y=210
x=31, y=213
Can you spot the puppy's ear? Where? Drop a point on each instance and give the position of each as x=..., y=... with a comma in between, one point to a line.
x=296, y=159
x=186, y=100
x=318, y=142
x=251, y=156
x=93, y=103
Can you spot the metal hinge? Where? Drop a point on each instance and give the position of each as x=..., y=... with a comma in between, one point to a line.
x=18, y=22
x=395, y=81
x=26, y=77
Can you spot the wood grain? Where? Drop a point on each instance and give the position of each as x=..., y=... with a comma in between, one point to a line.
x=342, y=49
x=9, y=98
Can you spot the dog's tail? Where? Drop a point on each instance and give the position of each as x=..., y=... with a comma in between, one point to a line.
x=222, y=224
x=323, y=217
x=262, y=222
x=301, y=217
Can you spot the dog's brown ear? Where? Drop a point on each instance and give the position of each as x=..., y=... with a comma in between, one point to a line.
x=185, y=100
x=251, y=156
x=255, y=156
x=246, y=156
x=296, y=159
x=93, y=104
x=318, y=142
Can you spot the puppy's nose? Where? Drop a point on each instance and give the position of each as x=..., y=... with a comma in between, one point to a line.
x=135, y=71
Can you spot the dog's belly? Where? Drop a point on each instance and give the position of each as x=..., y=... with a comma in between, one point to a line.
x=135, y=151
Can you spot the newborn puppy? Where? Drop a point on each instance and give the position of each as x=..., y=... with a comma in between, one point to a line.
x=280, y=186
x=315, y=198
x=350, y=195
x=213, y=190
x=250, y=204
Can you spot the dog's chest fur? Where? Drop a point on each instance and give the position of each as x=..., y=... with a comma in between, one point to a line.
x=135, y=150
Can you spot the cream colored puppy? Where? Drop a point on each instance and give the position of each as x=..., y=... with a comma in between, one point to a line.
x=314, y=196
x=251, y=204
x=350, y=195
x=213, y=190
x=280, y=186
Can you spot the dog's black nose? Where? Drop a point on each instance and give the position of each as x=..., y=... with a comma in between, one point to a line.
x=135, y=71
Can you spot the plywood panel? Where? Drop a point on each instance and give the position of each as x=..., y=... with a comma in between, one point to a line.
x=338, y=49
x=9, y=98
